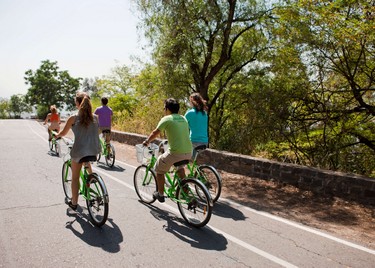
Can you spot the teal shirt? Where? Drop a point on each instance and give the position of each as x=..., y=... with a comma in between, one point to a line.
x=198, y=123
x=177, y=131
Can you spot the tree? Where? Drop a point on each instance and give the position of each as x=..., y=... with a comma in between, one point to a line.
x=18, y=105
x=199, y=41
x=4, y=108
x=50, y=86
x=331, y=124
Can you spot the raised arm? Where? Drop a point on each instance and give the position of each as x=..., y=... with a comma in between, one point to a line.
x=67, y=127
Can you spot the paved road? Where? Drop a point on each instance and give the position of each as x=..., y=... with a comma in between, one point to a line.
x=37, y=229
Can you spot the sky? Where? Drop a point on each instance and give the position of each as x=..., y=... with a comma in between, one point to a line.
x=87, y=38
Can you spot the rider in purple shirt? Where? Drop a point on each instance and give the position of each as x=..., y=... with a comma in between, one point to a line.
x=105, y=119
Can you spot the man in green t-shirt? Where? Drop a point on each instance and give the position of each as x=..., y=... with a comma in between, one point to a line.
x=180, y=147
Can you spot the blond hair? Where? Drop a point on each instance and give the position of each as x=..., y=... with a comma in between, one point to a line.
x=53, y=109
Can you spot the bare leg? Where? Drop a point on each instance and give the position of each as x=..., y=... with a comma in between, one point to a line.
x=160, y=180
x=88, y=167
x=181, y=172
x=76, y=168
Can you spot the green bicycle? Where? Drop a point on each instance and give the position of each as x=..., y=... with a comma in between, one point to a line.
x=54, y=144
x=192, y=197
x=92, y=188
x=108, y=150
x=207, y=174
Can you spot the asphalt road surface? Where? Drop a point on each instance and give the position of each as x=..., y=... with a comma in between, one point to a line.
x=38, y=230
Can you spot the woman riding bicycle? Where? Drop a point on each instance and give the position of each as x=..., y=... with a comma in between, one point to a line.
x=86, y=141
x=54, y=118
x=198, y=121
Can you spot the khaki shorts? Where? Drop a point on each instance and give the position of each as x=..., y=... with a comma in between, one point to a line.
x=166, y=160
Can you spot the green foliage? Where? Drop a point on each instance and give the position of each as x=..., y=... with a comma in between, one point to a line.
x=4, y=108
x=49, y=86
x=18, y=105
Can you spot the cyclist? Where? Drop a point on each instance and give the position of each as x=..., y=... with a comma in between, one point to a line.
x=198, y=121
x=54, y=118
x=105, y=114
x=86, y=141
x=180, y=147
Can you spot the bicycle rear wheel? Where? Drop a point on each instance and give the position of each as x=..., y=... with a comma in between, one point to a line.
x=67, y=179
x=110, y=157
x=209, y=176
x=194, y=202
x=145, y=183
x=97, y=199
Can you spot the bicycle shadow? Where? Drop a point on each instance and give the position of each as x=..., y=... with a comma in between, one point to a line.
x=115, y=167
x=108, y=237
x=52, y=153
x=202, y=238
x=225, y=210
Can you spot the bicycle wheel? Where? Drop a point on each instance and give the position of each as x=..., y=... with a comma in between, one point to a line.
x=195, y=208
x=209, y=176
x=57, y=148
x=145, y=184
x=67, y=179
x=97, y=200
x=50, y=144
x=110, y=157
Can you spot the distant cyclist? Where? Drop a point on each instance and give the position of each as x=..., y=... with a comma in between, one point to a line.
x=105, y=114
x=54, y=118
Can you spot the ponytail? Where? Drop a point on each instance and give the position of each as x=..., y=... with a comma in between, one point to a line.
x=85, y=108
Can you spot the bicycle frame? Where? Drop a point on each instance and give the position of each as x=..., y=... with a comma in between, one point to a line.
x=171, y=184
x=83, y=174
x=104, y=146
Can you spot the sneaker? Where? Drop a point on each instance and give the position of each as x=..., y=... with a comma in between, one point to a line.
x=159, y=197
x=192, y=204
x=74, y=207
x=70, y=204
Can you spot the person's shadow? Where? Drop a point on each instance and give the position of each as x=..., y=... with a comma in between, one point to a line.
x=108, y=237
x=225, y=210
x=203, y=238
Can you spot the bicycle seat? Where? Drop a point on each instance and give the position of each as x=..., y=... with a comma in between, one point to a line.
x=200, y=147
x=90, y=158
x=106, y=131
x=180, y=163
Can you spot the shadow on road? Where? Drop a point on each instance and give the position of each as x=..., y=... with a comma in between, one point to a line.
x=108, y=237
x=222, y=209
x=203, y=238
x=115, y=167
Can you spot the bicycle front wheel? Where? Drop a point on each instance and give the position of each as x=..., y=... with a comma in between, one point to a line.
x=97, y=199
x=209, y=176
x=110, y=157
x=194, y=202
x=58, y=148
x=50, y=143
x=67, y=179
x=145, y=183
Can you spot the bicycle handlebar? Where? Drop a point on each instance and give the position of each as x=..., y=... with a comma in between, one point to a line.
x=67, y=141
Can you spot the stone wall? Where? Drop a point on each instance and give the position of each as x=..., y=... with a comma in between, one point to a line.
x=347, y=186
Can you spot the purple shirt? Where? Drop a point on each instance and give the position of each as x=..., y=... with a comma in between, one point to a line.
x=105, y=116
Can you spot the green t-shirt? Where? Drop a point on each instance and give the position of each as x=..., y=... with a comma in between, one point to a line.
x=177, y=131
